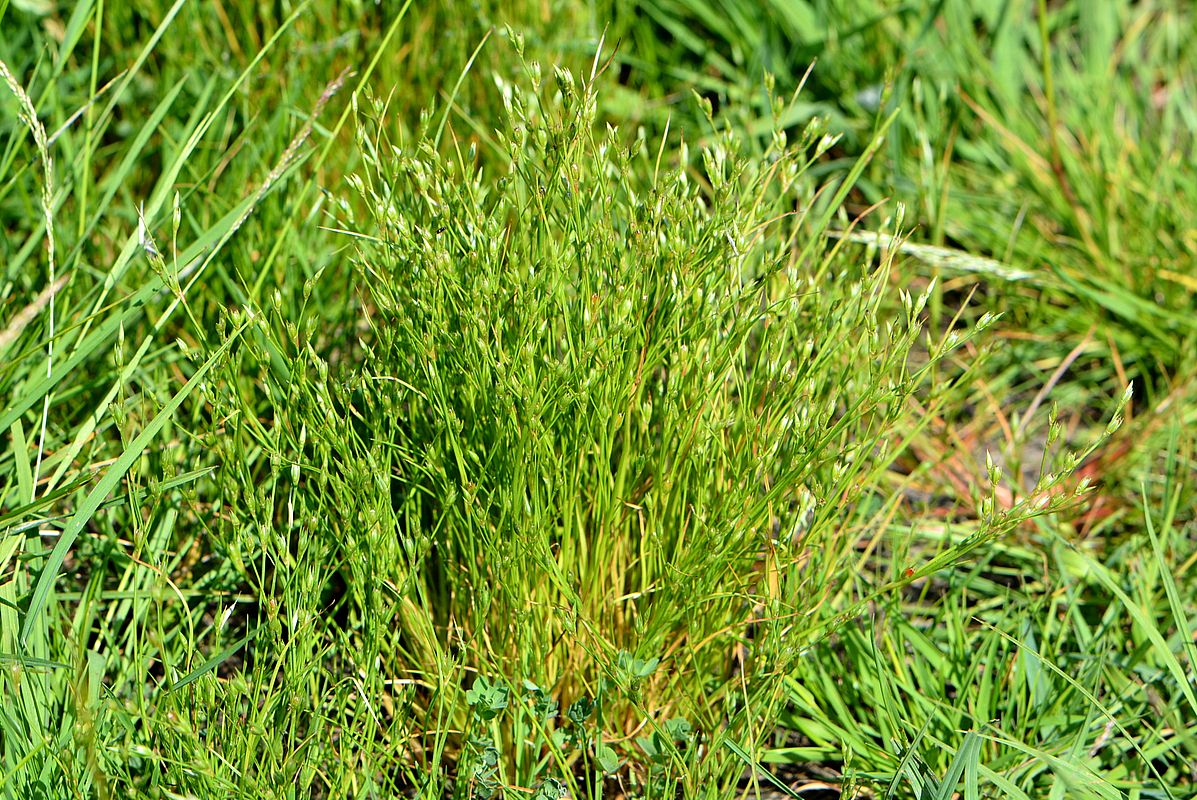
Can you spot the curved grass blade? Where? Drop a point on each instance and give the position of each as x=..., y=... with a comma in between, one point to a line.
x=965, y=761
x=214, y=662
x=111, y=478
x=756, y=766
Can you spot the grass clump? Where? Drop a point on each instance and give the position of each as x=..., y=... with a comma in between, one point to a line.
x=396, y=414
x=597, y=446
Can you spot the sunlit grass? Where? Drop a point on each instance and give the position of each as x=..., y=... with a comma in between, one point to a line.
x=401, y=404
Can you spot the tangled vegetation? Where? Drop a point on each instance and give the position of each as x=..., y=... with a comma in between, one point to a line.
x=633, y=398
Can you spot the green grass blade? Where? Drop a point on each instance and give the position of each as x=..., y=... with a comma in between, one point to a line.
x=214, y=662
x=756, y=767
x=1159, y=645
x=112, y=477
x=1175, y=603
x=965, y=762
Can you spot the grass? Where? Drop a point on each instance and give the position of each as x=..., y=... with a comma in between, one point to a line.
x=589, y=399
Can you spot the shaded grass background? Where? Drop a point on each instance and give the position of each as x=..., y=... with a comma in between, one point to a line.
x=1022, y=146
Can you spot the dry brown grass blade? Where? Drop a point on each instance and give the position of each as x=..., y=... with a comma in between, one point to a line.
x=27, y=314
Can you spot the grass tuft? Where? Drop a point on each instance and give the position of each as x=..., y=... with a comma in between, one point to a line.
x=597, y=400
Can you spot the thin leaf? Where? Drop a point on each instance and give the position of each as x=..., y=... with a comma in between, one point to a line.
x=112, y=477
